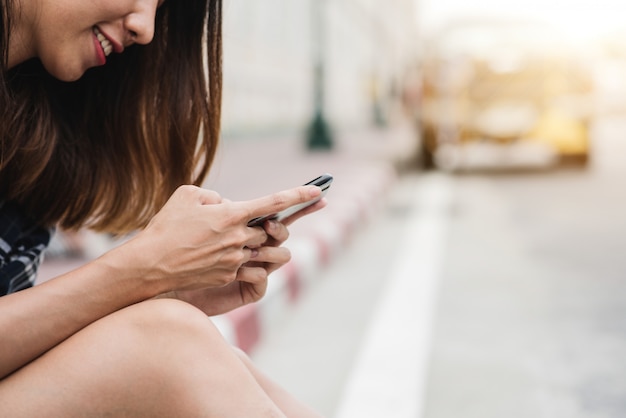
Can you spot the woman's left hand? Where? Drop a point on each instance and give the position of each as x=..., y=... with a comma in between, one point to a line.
x=252, y=277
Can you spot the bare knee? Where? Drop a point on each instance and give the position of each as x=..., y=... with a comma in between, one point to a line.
x=166, y=339
x=203, y=372
x=157, y=339
x=166, y=317
x=156, y=358
x=154, y=329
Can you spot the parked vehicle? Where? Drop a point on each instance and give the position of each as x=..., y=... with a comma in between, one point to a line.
x=503, y=87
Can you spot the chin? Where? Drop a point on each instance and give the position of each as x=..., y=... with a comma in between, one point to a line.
x=66, y=76
x=65, y=72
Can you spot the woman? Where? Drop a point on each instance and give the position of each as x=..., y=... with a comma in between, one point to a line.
x=102, y=104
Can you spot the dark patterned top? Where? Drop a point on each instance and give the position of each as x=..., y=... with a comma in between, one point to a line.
x=22, y=245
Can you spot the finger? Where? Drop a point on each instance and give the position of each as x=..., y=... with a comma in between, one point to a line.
x=268, y=267
x=252, y=282
x=256, y=237
x=306, y=211
x=276, y=202
x=187, y=195
x=233, y=259
x=273, y=255
x=255, y=275
x=207, y=197
x=277, y=231
x=252, y=253
x=272, y=267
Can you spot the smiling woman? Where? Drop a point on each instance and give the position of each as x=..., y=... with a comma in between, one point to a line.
x=90, y=122
x=110, y=118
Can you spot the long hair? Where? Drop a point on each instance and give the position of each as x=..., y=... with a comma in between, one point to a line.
x=108, y=150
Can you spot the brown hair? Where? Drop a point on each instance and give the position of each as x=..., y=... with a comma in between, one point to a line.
x=108, y=150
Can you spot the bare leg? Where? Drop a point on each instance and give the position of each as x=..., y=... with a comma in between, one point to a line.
x=290, y=406
x=159, y=358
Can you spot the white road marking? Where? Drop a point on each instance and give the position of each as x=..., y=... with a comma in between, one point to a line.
x=388, y=379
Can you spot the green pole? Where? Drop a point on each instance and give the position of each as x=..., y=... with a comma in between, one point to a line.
x=319, y=135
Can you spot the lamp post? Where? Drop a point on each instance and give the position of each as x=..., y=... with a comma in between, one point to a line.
x=319, y=135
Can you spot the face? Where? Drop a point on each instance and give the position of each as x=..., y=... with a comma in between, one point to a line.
x=71, y=36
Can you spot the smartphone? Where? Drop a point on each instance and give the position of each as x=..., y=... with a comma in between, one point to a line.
x=324, y=181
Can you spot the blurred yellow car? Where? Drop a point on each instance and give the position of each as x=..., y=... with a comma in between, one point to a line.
x=501, y=88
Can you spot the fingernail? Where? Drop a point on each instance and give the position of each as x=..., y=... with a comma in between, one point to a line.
x=254, y=252
x=314, y=191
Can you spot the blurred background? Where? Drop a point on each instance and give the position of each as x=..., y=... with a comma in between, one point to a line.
x=485, y=276
x=280, y=56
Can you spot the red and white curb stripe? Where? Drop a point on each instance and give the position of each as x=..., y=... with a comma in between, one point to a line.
x=314, y=242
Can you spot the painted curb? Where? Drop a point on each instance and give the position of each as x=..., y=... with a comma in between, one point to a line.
x=314, y=244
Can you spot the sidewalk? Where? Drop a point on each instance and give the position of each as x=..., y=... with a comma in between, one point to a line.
x=364, y=166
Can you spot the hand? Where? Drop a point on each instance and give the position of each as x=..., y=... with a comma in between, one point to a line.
x=198, y=240
x=252, y=277
x=277, y=234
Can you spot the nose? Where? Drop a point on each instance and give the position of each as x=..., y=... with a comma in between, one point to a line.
x=139, y=26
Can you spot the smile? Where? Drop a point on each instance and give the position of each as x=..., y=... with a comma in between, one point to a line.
x=106, y=45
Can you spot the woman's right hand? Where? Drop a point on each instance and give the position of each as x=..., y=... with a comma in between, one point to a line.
x=200, y=240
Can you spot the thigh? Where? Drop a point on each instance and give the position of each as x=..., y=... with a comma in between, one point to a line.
x=156, y=358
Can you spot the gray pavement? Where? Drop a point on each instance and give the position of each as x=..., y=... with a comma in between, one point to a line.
x=530, y=319
x=528, y=316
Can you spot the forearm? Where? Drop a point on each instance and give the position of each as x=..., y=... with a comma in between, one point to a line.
x=36, y=319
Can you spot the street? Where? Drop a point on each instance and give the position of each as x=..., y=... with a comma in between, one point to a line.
x=519, y=306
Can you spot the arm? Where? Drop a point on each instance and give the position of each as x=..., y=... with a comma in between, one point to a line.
x=195, y=241
x=36, y=319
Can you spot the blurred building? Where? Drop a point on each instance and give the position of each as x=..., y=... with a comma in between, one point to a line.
x=269, y=59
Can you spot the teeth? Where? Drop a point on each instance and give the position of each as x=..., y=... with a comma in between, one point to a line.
x=104, y=42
